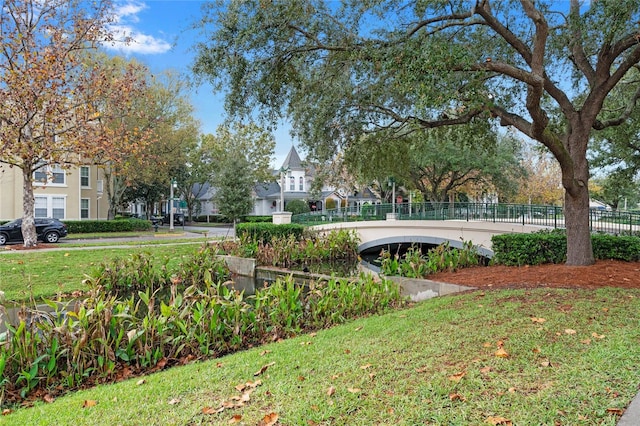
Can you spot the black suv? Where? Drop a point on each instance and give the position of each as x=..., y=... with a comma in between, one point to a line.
x=48, y=230
x=178, y=219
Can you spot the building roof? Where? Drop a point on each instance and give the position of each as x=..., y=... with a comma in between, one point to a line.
x=292, y=161
x=267, y=189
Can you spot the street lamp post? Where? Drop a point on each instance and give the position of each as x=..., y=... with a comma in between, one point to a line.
x=174, y=184
x=392, y=183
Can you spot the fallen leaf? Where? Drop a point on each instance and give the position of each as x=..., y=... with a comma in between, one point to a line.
x=487, y=345
x=240, y=387
x=264, y=368
x=456, y=397
x=141, y=382
x=211, y=410
x=501, y=353
x=586, y=341
x=235, y=419
x=173, y=401
x=66, y=255
x=605, y=309
x=48, y=399
x=263, y=353
x=364, y=367
x=597, y=336
x=6, y=412
x=546, y=363
x=538, y=320
x=358, y=328
x=422, y=370
x=305, y=343
x=301, y=378
x=536, y=350
x=354, y=390
x=313, y=334
x=347, y=351
x=569, y=331
x=615, y=411
x=269, y=420
x=457, y=377
x=89, y=403
x=498, y=421
x=219, y=364
x=485, y=370
x=331, y=391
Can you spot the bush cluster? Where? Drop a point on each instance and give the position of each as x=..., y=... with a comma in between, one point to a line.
x=551, y=247
x=265, y=232
x=139, y=315
x=413, y=264
x=314, y=248
x=121, y=225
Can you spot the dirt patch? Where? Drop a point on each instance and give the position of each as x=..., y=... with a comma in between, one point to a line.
x=604, y=273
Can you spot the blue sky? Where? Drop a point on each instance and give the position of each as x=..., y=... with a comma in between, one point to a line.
x=163, y=39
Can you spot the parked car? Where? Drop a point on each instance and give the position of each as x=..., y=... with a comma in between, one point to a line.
x=178, y=219
x=48, y=230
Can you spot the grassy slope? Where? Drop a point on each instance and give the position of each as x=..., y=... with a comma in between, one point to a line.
x=432, y=364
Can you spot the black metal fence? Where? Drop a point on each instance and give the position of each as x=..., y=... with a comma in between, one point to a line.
x=615, y=222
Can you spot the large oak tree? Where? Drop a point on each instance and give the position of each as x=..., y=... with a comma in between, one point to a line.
x=337, y=70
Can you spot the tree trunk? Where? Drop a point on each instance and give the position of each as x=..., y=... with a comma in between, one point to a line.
x=576, y=203
x=28, y=222
x=579, y=249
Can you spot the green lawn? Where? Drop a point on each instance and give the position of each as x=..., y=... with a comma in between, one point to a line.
x=572, y=358
x=45, y=273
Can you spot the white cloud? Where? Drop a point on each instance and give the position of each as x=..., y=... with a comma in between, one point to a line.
x=126, y=16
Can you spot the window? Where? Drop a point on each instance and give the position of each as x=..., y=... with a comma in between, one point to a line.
x=84, y=208
x=301, y=183
x=292, y=183
x=48, y=175
x=50, y=206
x=41, y=207
x=84, y=177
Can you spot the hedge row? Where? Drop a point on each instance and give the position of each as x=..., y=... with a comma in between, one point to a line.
x=265, y=232
x=217, y=218
x=120, y=225
x=551, y=247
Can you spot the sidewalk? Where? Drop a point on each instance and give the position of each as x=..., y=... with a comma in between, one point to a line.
x=631, y=416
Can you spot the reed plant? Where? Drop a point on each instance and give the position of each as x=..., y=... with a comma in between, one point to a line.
x=413, y=264
x=140, y=316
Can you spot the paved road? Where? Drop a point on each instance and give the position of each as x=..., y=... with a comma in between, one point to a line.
x=179, y=232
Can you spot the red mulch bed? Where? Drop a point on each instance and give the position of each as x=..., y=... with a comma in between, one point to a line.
x=604, y=273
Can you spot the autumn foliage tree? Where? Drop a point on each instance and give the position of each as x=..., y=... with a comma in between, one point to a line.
x=47, y=115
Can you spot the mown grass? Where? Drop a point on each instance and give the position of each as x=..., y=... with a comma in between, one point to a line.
x=572, y=360
x=25, y=274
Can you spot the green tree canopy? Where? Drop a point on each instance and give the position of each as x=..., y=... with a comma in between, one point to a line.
x=337, y=71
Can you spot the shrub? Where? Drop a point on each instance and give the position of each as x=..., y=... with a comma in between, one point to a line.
x=120, y=225
x=297, y=207
x=265, y=232
x=330, y=204
x=258, y=219
x=551, y=246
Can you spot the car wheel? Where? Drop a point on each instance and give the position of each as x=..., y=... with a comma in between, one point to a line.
x=51, y=237
x=3, y=239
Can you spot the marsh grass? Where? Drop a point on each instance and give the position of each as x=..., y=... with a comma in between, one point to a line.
x=434, y=364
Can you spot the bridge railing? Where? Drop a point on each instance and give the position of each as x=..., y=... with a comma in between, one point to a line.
x=526, y=214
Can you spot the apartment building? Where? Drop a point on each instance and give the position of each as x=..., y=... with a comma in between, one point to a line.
x=70, y=194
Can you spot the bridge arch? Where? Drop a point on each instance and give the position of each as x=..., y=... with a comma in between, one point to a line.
x=372, y=233
x=419, y=239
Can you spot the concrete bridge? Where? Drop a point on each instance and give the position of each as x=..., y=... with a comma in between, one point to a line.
x=455, y=232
